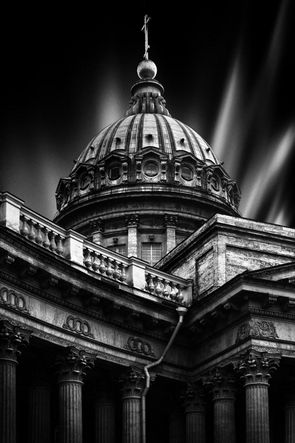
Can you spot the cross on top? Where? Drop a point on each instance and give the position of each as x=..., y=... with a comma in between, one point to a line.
x=146, y=36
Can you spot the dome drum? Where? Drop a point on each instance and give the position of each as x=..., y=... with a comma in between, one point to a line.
x=147, y=167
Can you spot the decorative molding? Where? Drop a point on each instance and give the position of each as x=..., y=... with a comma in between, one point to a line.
x=255, y=367
x=12, y=339
x=76, y=324
x=72, y=364
x=257, y=329
x=11, y=299
x=138, y=346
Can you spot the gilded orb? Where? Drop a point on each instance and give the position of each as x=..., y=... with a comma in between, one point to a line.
x=146, y=70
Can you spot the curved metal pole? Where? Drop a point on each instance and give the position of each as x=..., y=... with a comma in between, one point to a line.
x=181, y=312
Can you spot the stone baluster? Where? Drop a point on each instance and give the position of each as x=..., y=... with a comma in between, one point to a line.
x=132, y=224
x=194, y=413
x=222, y=383
x=12, y=339
x=132, y=382
x=105, y=414
x=71, y=367
x=255, y=369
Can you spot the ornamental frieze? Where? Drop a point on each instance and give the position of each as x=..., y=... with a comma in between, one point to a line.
x=135, y=344
x=257, y=329
x=76, y=324
x=11, y=299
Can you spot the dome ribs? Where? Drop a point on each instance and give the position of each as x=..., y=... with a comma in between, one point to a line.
x=139, y=132
x=193, y=134
x=129, y=133
x=186, y=133
x=113, y=130
x=160, y=133
x=170, y=135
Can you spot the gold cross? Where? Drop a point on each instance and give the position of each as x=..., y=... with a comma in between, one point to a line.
x=146, y=36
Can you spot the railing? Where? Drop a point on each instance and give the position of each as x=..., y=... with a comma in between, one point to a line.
x=41, y=233
x=74, y=247
x=105, y=262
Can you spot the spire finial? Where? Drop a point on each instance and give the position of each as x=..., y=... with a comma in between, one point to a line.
x=146, y=36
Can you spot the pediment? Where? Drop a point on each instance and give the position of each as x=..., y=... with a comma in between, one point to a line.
x=280, y=273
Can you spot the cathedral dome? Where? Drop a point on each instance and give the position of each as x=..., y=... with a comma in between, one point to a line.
x=146, y=165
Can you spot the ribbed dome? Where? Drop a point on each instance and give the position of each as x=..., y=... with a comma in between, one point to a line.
x=149, y=168
x=133, y=133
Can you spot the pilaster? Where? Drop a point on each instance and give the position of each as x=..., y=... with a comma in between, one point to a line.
x=132, y=224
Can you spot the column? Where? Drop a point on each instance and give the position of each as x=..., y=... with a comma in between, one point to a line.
x=97, y=230
x=223, y=397
x=39, y=413
x=132, y=387
x=105, y=414
x=194, y=414
x=12, y=339
x=170, y=221
x=176, y=426
x=255, y=368
x=132, y=236
x=290, y=418
x=71, y=367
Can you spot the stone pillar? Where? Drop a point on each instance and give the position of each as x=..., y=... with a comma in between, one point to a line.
x=176, y=428
x=12, y=338
x=71, y=367
x=105, y=415
x=255, y=369
x=132, y=236
x=290, y=419
x=132, y=387
x=97, y=230
x=39, y=413
x=194, y=414
x=223, y=397
x=170, y=221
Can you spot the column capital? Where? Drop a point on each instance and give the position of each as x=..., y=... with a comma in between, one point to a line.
x=132, y=220
x=12, y=339
x=97, y=225
x=132, y=382
x=221, y=381
x=72, y=364
x=255, y=367
x=170, y=220
x=194, y=397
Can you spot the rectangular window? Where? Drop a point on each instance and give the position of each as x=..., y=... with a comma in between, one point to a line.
x=151, y=252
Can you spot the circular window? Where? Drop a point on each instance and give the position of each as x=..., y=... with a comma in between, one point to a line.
x=114, y=171
x=151, y=168
x=187, y=172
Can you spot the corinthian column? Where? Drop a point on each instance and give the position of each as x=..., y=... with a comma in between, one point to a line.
x=105, y=414
x=12, y=338
x=255, y=368
x=194, y=414
x=132, y=387
x=71, y=368
x=290, y=418
x=223, y=397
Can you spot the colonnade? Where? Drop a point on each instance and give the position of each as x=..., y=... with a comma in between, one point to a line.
x=254, y=368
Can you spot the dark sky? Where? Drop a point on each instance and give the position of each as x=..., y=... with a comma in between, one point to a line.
x=227, y=67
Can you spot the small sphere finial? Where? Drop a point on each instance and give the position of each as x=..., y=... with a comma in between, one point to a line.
x=147, y=70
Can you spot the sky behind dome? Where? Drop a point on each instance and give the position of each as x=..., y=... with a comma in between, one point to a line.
x=227, y=67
